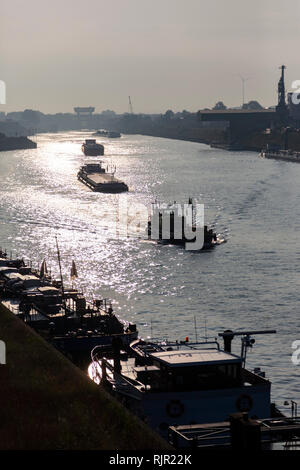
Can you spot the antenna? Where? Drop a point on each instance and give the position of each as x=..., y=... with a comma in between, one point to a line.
x=130, y=105
x=191, y=202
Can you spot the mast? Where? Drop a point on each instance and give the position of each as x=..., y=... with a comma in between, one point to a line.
x=130, y=105
x=59, y=264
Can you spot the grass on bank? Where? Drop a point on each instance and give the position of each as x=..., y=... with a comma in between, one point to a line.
x=46, y=402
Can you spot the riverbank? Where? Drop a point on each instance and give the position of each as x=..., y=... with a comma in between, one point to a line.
x=48, y=403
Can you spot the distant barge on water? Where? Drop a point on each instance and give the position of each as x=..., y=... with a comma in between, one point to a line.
x=15, y=143
x=97, y=179
x=288, y=155
x=61, y=315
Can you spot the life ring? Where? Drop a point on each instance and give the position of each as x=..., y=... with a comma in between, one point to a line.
x=244, y=403
x=175, y=408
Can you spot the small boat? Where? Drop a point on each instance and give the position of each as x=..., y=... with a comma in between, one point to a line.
x=99, y=179
x=92, y=148
x=178, y=225
x=182, y=382
x=109, y=134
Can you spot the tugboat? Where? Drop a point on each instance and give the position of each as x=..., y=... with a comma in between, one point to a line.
x=91, y=148
x=184, y=383
x=277, y=154
x=95, y=176
x=210, y=238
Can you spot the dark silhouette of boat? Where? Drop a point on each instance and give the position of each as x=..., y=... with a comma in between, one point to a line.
x=95, y=176
x=279, y=154
x=210, y=238
x=61, y=315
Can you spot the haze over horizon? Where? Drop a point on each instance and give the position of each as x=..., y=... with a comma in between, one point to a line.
x=165, y=54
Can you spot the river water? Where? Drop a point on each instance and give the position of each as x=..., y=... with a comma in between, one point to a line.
x=251, y=282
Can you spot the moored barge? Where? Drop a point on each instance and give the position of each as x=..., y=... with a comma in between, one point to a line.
x=109, y=134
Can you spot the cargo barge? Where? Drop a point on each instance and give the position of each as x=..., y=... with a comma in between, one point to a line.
x=287, y=155
x=91, y=148
x=169, y=226
x=97, y=179
x=15, y=143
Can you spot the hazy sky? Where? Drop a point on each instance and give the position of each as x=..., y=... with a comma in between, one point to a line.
x=176, y=54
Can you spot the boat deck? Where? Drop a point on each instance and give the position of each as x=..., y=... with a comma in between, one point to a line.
x=36, y=315
x=102, y=178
